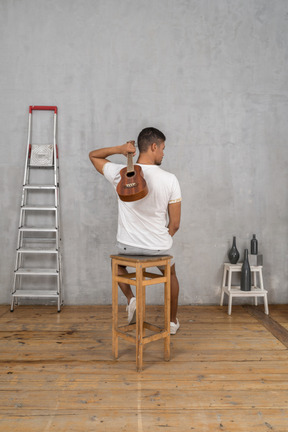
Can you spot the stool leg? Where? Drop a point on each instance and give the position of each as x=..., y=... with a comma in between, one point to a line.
x=143, y=305
x=167, y=299
x=265, y=295
x=266, y=304
x=229, y=304
x=261, y=280
x=139, y=318
x=230, y=294
x=114, y=309
x=222, y=287
x=255, y=285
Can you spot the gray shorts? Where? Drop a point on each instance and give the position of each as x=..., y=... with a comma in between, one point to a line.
x=133, y=250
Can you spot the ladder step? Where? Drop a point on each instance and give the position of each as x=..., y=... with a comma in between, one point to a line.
x=41, y=166
x=37, y=229
x=39, y=187
x=32, y=241
x=37, y=250
x=41, y=208
x=35, y=271
x=35, y=293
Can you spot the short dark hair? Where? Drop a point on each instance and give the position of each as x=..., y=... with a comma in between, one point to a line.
x=147, y=137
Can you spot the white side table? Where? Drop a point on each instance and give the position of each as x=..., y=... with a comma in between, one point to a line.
x=235, y=291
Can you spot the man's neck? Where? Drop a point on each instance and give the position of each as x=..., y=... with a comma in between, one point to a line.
x=145, y=159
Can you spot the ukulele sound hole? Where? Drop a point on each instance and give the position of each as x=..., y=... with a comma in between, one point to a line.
x=130, y=174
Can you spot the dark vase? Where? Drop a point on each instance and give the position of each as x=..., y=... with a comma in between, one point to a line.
x=254, y=245
x=233, y=254
x=245, y=273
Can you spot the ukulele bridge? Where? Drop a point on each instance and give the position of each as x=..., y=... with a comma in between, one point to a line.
x=130, y=185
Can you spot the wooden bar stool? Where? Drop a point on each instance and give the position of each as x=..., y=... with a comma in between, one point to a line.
x=141, y=278
x=235, y=291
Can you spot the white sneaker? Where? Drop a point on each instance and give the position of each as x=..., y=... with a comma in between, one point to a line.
x=174, y=327
x=131, y=309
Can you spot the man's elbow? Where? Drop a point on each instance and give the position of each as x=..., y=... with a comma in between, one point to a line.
x=176, y=223
x=173, y=228
x=176, y=227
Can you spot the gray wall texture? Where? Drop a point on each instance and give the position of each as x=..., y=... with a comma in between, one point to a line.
x=211, y=74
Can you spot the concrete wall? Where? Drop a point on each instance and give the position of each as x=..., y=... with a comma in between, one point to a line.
x=211, y=74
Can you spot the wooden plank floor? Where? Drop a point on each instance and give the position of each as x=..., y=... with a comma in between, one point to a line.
x=227, y=373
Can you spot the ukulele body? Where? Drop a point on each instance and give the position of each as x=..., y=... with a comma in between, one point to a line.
x=132, y=185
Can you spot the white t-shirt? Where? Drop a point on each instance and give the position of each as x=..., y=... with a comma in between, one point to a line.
x=143, y=223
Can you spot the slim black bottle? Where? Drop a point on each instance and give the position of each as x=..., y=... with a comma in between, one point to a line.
x=245, y=273
x=233, y=254
x=254, y=245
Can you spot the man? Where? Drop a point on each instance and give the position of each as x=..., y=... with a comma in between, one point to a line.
x=142, y=225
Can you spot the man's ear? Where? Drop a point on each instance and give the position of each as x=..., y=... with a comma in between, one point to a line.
x=154, y=146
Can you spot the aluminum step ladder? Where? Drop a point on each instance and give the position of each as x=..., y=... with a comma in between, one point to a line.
x=37, y=272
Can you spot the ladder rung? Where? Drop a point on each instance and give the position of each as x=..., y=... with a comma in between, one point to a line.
x=41, y=166
x=41, y=208
x=35, y=293
x=37, y=250
x=38, y=272
x=30, y=241
x=37, y=229
x=39, y=187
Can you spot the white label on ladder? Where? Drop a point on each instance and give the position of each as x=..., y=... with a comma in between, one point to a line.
x=41, y=155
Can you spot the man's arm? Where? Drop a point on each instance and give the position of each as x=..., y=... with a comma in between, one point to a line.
x=174, y=213
x=99, y=157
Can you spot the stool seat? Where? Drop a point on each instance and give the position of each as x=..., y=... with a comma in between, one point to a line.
x=141, y=278
x=235, y=291
x=141, y=258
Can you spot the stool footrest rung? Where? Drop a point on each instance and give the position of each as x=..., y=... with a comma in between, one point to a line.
x=159, y=332
x=152, y=327
x=154, y=337
x=129, y=278
x=148, y=326
x=127, y=328
x=125, y=336
x=125, y=279
x=158, y=280
x=152, y=275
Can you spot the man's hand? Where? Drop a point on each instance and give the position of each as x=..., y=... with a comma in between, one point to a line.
x=99, y=157
x=129, y=147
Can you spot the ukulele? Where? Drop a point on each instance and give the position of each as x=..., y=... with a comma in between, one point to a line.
x=132, y=185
